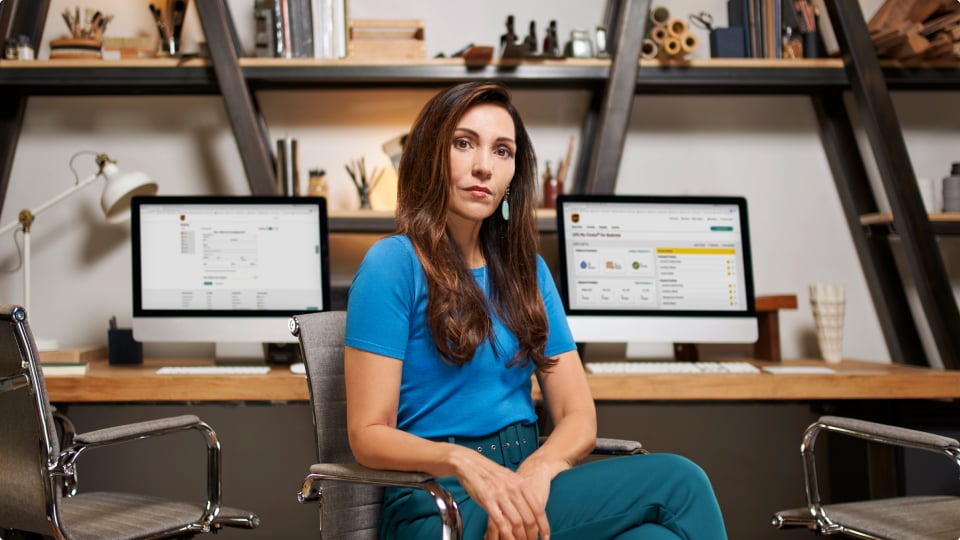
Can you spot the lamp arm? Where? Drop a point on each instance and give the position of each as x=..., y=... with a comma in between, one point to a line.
x=73, y=189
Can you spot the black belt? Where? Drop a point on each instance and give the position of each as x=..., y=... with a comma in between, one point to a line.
x=509, y=446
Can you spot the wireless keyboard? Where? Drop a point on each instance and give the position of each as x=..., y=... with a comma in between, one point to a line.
x=641, y=367
x=213, y=370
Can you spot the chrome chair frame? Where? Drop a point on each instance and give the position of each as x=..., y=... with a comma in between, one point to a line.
x=60, y=467
x=817, y=516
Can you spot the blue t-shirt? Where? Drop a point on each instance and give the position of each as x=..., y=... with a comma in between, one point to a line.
x=386, y=315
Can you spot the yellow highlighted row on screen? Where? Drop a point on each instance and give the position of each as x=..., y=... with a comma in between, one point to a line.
x=696, y=251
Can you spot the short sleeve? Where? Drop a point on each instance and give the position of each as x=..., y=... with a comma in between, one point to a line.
x=559, y=337
x=382, y=299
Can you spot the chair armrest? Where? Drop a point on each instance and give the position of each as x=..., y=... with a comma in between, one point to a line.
x=869, y=431
x=151, y=428
x=68, y=432
x=892, y=435
x=613, y=447
x=618, y=447
x=358, y=474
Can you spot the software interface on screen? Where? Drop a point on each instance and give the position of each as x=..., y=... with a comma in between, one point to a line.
x=222, y=257
x=656, y=269
x=654, y=256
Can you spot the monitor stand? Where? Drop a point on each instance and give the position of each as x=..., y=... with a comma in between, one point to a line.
x=239, y=353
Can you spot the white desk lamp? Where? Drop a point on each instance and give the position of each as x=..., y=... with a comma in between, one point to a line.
x=115, y=201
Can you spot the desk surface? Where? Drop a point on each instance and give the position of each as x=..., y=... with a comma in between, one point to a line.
x=853, y=380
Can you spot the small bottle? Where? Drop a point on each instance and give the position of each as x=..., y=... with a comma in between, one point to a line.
x=951, y=189
x=551, y=188
x=10, y=49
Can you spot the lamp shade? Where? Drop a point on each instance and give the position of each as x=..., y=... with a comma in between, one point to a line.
x=120, y=188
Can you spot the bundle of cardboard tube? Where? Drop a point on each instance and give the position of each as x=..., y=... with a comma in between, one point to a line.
x=667, y=38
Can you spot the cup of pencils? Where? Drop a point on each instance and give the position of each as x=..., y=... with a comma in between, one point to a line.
x=169, y=21
x=364, y=183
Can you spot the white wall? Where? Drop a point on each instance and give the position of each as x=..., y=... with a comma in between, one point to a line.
x=766, y=148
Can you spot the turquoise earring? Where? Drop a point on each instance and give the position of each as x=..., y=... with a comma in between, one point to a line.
x=505, y=207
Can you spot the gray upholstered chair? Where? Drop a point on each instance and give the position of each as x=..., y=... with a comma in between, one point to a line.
x=350, y=494
x=38, y=470
x=900, y=518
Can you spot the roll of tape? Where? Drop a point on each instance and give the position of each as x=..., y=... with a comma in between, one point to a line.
x=688, y=43
x=677, y=27
x=670, y=46
x=648, y=49
x=659, y=33
x=659, y=15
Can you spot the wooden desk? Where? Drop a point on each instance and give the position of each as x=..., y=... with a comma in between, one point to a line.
x=104, y=383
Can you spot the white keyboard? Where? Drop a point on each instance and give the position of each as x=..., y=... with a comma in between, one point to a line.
x=213, y=370
x=642, y=367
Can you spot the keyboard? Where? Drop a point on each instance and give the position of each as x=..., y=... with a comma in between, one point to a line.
x=642, y=367
x=213, y=370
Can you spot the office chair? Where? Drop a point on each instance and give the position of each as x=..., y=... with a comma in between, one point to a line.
x=38, y=470
x=350, y=494
x=901, y=518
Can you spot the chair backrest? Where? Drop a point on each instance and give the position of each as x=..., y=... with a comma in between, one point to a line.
x=30, y=498
x=346, y=509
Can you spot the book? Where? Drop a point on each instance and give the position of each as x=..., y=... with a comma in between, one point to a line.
x=63, y=369
x=74, y=355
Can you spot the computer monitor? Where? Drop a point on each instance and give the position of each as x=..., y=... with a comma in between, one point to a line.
x=228, y=270
x=656, y=269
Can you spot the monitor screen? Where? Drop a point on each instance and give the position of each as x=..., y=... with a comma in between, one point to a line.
x=656, y=269
x=227, y=269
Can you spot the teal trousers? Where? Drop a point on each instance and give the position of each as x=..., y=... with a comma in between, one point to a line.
x=648, y=497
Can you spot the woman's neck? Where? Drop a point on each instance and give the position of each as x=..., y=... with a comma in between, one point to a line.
x=467, y=238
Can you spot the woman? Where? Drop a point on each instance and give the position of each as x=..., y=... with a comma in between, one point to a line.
x=446, y=323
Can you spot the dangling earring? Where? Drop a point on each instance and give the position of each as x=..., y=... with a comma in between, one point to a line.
x=505, y=207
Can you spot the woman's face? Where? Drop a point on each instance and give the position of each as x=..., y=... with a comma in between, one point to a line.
x=481, y=162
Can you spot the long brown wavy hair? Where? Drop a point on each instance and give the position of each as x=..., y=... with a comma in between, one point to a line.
x=457, y=310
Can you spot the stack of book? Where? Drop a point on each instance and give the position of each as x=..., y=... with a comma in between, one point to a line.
x=300, y=28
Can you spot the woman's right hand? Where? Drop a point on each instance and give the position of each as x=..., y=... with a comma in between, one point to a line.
x=516, y=509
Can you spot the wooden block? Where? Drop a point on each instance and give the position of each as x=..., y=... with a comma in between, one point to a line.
x=891, y=13
x=385, y=39
x=75, y=355
x=939, y=23
x=915, y=45
x=922, y=10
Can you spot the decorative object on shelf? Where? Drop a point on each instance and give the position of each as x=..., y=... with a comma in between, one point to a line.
x=86, y=35
x=951, y=189
x=317, y=185
x=170, y=26
x=551, y=188
x=394, y=149
x=670, y=37
x=288, y=167
x=18, y=48
x=828, y=302
x=128, y=48
x=509, y=45
x=119, y=188
x=551, y=43
x=375, y=39
x=579, y=46
x=724, y=42
x=916, y=30
x=358, y=173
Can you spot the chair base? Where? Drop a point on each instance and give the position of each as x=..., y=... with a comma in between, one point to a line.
x=915, y=518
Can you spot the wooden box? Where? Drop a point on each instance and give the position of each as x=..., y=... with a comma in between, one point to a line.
x=374, y=39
